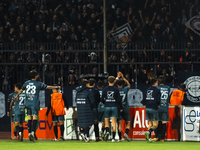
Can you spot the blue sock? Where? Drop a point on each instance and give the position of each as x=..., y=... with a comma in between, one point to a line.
x=107, y=129
x=62, y=129
x=29, y=126
x=21, y=129
x=34, y=125
x=55, y=131
x=114, y=135
x=150, y=131
x=120, y=135
x=96, y=130
x=127, y=131
x=87, y=129
x=17, y=128
x=81, y=130
x=164, y=128
x=103, y=129
x=15, y=133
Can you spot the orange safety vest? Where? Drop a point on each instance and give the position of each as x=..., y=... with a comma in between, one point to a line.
x=57, y=104
x=177, y=97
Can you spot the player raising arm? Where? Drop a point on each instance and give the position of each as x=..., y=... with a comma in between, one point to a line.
x=112, y=100
x=123, y=91
x=32, y=88
x=151, y=99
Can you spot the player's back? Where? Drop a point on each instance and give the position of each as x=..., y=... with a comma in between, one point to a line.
x=11, y=97
x=164, y=99
x=111, y=97
x=32, y=89
x=20, y=104
x=101, y=105
x=151, y=98
x=123, y=93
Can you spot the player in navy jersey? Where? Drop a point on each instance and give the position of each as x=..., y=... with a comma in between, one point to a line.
x=112, y=100
x=101, y=109
x=32, y=88
x=151, y=99
x=123, y=91
x=94, y=91
x=19, y=111
x=163, y=113
x=11, y=113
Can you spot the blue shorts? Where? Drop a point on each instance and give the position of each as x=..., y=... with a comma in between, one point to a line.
x=32, y=111
x=111, y=112
x=95, y=114
x=58, y=118
x=19, y=118
x=124, y=115
x=163, y=116
x=151, y=114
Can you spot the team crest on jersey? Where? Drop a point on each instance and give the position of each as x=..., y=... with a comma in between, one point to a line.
x=193, y=88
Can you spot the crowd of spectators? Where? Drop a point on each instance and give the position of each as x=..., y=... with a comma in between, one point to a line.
x=81, y=21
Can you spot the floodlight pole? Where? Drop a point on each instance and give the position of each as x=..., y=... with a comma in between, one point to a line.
x=104, y=38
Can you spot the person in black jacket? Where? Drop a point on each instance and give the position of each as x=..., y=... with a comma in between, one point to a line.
x=151, y=99
x=94, y=91
x=112, y=100
x=85, y=102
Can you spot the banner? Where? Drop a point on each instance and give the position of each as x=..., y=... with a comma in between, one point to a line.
x=2, y=105
x=122, y=34
x=193, y=89
x=191, y=121
x=139, y=125
x=45, y=127
x=194, y=24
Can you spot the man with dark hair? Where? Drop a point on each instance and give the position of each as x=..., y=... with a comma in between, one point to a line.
x=151, y=99
x=163, y=113
x=96, y=94
x=112, y=100
x=32, y=88
x=19, y=111
x=123, y=91
x=85, y=102
x=101, y=108
x=57, y=106
x=178, y=95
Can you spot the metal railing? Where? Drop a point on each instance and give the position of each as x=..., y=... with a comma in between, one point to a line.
x=63, y=63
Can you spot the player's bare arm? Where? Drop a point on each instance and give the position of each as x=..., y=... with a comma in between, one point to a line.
x=53, y=87
x=17, y=96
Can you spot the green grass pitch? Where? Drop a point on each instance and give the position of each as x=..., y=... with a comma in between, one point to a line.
x=79, y=145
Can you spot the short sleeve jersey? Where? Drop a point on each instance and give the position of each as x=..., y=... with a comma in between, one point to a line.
x=32, y=89
x=164, y=98
x=20, y=104
x=123, y=93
